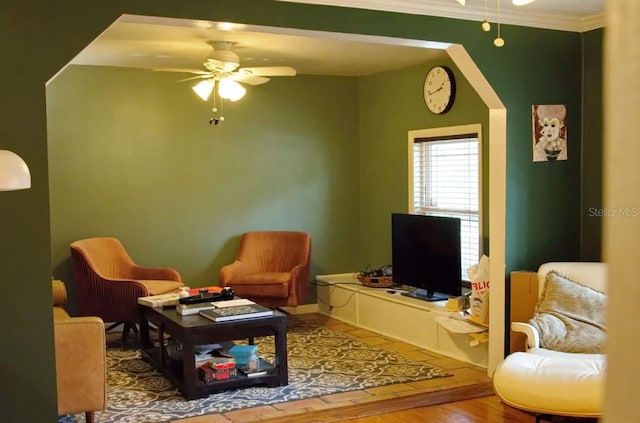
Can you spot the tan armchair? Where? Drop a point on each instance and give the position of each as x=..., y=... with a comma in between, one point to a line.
x=81, y=363
x=560, y=379
x=271, y=268
x=109, y=282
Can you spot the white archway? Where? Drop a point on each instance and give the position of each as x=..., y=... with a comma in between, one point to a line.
x=497, y=199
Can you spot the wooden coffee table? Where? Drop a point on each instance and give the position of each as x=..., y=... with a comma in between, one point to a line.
x=195, y=330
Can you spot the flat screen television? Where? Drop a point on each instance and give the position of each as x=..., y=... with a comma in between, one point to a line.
x=425, y=255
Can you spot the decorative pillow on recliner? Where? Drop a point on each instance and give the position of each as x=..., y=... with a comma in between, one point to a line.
x=570, y=316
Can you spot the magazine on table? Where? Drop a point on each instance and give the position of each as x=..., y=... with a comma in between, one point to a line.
x=187, y=309
x=233, y=303
x=236, y=312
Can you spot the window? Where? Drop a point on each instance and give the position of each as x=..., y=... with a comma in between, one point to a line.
x=446, y=182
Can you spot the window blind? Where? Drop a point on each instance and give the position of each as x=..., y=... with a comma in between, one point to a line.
x=446, y=183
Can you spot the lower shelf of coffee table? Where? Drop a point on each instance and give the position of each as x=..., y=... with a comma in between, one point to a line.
x=172, y=370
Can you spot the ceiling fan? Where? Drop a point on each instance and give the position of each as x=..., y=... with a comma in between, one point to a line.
x=222, y=65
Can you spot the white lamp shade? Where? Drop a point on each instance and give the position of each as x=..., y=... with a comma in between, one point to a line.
x=14, y=173
x=521, y=2
x=204, y=88
x=231, y=90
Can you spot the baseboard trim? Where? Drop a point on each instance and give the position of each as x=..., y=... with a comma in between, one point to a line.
x=302, y=309
x=374, y=408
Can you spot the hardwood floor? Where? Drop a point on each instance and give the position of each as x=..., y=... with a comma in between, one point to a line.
x=442, y=407
x=477, y=410
x=466, y=397
x=484, y=409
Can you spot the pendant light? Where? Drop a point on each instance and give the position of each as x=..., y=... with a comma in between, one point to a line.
x=486, y=26
x=499, y=41
x=14, y=172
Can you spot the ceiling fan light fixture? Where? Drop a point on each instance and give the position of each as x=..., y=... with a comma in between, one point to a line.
x=462, y=2
x=522, y=2
x=230, y=89
x=204, y=88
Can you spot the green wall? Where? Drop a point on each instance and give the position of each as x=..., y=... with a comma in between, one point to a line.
x=391, y=104
x=543, y=198
x=39, y=38
x=132, y=155
x=592, y=146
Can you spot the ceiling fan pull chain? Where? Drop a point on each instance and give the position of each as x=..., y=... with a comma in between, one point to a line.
x=216, y=120
x=215, y=106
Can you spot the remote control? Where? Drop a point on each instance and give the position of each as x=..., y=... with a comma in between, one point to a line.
x=204, y=297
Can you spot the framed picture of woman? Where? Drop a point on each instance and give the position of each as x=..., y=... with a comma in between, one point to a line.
x=549, y=132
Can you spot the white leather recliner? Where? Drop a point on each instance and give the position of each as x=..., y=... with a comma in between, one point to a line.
x=548, y=382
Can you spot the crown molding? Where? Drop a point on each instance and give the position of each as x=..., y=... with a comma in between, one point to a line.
x=471, y=12
x=593, y=22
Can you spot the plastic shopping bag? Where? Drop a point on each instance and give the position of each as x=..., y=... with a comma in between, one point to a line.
x=479, y=277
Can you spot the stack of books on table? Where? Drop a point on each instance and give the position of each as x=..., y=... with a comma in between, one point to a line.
x=172, y=298
x=162, y=300
x=188, y=309
x=224, y=311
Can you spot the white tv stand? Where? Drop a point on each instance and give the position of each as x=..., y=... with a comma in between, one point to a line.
x=396, y=316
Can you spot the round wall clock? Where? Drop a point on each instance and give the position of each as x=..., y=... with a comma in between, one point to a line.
x=439, y=89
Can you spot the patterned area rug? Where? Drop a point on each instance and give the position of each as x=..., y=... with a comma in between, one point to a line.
x=321, y=362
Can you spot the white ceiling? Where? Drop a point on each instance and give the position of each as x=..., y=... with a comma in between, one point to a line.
x=568, y=15
x=161, y=43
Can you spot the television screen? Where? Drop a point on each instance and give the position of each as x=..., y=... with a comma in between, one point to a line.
x=425, y=254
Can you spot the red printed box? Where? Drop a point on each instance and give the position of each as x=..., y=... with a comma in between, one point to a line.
x=219, y=368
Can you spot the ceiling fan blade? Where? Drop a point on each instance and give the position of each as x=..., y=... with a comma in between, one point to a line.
x=182, y=70
x=219, y=65
x=249, y=79
x=268, y=71
x=205, y=76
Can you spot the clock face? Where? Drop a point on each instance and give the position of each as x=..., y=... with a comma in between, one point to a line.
x=439, y=89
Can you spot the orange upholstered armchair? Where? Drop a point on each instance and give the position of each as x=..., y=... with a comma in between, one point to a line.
x=271, y=268
x=109, y=282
